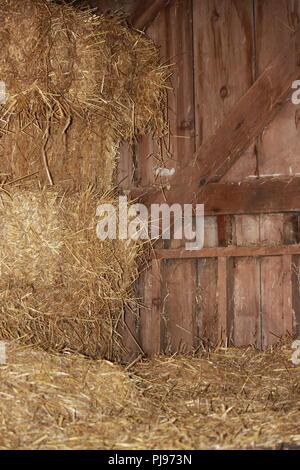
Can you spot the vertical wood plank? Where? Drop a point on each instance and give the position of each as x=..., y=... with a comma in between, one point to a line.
x=277, y=150
x=223, y=48
x=246, y=284
x=246, y=230
x=246, y=305
x=176, y=39
x=150, y=313
x=180, y=305
x=271, y=228
x=279, y=144
x=296, y=294
x=288, y=312
x=206, y=319
x=277, y=313
x=173, y=33
x=223, y=301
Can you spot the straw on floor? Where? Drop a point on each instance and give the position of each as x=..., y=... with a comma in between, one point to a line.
x=226, y=399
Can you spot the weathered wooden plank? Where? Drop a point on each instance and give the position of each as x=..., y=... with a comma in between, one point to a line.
x=251, y=197
x=279, y=145
x=146, y=150
x=246, y=302
x=246, y=121
x=146, y=12
x=218, y=28
x=177, y=27
x=271, y=228
x=179, y=305
x=276, y=299
x=275, y=24
x=223, y=302
x=246, y=278
x=206, y=317
x=296, y=294
x=263, y=195
x=150, y=313
x=229, y=251
x=245, y=230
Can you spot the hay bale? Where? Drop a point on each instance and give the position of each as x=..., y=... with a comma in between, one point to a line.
x=77, y=85
x=61, y=287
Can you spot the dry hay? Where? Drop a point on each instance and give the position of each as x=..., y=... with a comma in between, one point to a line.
x=46, y=398
x=60, y=286
x=77, y=84
x=227, y=399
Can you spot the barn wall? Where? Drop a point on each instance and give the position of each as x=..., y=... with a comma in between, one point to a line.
x=219, y=49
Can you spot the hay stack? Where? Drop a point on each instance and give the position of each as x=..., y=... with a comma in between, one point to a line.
x=77, y=85
x=61, y=287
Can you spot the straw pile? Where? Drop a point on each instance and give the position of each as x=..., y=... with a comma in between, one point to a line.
x=77, y=84
x=226, y=399
x=60, y=286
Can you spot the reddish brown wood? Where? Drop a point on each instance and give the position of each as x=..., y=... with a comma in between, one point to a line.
x=146, y=12
x=246, y=302
x=279, y=143
x=150, y=313
x=223, y=72
x=247, y=197
x=296, y=294
x=246, y=121
x=179, y=305
x=229, y=251
x=277, y=313
x=246, y=230
x=206, y=318
x=223, y=299
x=287, y=290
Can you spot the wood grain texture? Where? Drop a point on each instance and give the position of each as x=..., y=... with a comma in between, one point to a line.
x=276, y=294
x=146, y=11
x=246, y=302
x=279, y=144
x=229, y=251
x=296, y=294
x=246, y=121
x=206, y=319
x=179, y=305
x=223, y=300
x=252, y=197
x=150, y=313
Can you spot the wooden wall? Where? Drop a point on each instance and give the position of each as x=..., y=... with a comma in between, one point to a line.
x=220, y=48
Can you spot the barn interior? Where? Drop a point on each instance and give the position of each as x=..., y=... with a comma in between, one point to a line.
x=135, y=346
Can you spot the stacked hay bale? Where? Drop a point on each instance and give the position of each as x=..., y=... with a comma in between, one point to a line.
x=77, y=85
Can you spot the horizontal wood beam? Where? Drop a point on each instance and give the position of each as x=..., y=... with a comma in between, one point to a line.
x=258, y=196
x=146, y=12
x=251, y=197
x=229, y=251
